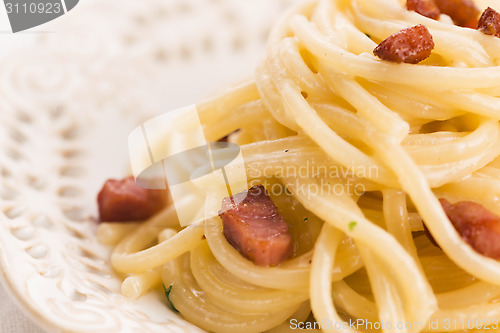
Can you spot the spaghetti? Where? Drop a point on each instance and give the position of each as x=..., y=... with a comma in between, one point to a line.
x=364, y=148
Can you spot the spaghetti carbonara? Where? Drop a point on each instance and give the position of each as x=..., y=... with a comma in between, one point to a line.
x=355, y=152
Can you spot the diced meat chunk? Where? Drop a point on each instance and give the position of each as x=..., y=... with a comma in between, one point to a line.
x=463, y=12
x=479, y=227
x=253, y=225
x=410, y=45
x=489, y=22
x=426, y=8
x=123, y=200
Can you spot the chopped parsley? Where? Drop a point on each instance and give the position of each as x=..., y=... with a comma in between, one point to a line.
x=167, y=294
x=367, y=35
x=352, y=225
x=305, y=219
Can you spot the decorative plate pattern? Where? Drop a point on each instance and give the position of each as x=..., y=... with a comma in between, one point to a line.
x=68, y=100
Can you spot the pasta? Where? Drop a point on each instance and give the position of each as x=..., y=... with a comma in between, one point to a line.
x=356, y=153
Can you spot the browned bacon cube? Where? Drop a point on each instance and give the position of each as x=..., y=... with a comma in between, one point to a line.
x=479, y=227
x=252, y=224
x=123, y=200
x=426, y=8
x=463, y=12
x=489, y=22
x=410, y=45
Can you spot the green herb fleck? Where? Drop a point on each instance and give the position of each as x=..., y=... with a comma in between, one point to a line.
x=167, y=293
x=352, y=225
x=367, y=35
x=305, y=219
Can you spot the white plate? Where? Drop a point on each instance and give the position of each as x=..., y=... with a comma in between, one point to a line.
x=68, y=100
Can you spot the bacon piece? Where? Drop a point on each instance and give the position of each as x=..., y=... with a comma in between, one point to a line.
x=123, y=200
x=463, y=12
x=489, y=22
x=410, y=45
x=252, y=224
x=479, y=227
x=426, y=8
